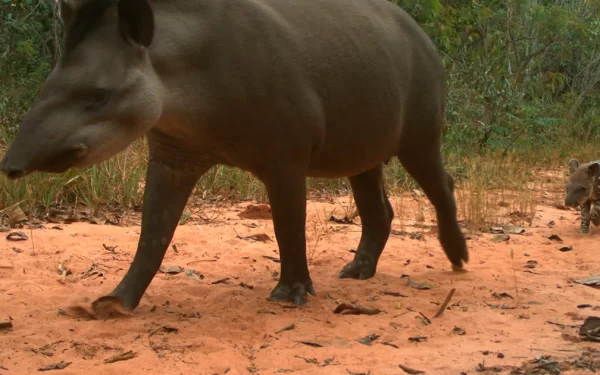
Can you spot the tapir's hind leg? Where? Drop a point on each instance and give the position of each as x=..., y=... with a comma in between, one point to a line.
x=421, y=157
x=376, y=215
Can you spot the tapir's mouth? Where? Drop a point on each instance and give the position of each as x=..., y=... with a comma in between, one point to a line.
x=63, y=161
x=57, y=163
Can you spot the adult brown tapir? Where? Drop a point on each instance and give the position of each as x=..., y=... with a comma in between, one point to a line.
x=284, y=89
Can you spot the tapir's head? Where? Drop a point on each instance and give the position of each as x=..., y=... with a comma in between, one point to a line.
x=581, y=182
x=102, y=95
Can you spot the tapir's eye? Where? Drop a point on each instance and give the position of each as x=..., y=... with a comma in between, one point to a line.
x=97, y=99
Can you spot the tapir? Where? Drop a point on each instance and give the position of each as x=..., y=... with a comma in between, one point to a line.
x=282, y=89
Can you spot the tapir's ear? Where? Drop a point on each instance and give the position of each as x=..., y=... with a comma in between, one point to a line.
x=573, y=165
x=136, y=21
x=594, y=169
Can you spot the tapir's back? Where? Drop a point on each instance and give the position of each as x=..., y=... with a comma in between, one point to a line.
x=338, y=66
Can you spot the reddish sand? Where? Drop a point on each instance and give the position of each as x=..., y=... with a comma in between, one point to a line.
x=230, y=327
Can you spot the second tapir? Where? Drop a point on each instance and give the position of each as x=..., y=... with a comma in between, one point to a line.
x=284, y=89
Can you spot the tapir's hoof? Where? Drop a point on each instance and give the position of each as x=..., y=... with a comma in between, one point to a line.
x=362, y=267
x=458, y=269
x=296, y=292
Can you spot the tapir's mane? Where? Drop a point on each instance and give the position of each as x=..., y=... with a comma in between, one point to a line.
x=86, y=19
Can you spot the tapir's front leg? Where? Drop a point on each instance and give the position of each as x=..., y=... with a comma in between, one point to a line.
x=585, y=217
x=286, y=187
x=165, y=195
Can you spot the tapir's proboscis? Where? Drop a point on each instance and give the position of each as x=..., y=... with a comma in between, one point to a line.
x=283, y=89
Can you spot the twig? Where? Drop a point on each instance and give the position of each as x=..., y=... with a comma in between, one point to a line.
x=445, y=304
x=202, y=260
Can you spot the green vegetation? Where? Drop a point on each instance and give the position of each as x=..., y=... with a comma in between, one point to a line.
x=523, y=93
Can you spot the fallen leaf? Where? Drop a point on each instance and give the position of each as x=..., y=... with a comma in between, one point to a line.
x=531, y=264
x=121, y=357
x=368, y=339
x=393, y=294
x=55, y=366
x=220, y=281
x=410, y=371
x=590, y=329
x=112, y=249
x=417, y=338
x=418, y=285
x=459, y=331
x=261, y=237
x=6, y=324
x=513, y=229
x=64, y=271
x=551, y=224
x=555, y=237
x=18, y=251
x=164, y=329
x=172, y=270
x=309, y=360
x=246, y=286
x=502, y=295
x=286, y=328
x=310, y=343
x=590, y=281
x=358, y=373
x=584, y=306
x=356, y=309
x=17, y=236
x=566, y=248
x=274, y=259
x=344, y=220
x=194, y=275
x=500, y=237
x=390, y=344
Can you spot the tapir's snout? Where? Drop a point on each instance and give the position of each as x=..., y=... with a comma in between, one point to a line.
x=21, y=160
x=12, y=171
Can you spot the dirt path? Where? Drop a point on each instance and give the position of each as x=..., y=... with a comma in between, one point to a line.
x=230, y=327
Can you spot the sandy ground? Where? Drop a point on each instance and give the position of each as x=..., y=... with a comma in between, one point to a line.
x=219, y=321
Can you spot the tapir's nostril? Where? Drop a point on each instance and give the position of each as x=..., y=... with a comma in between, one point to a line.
x=12, y=173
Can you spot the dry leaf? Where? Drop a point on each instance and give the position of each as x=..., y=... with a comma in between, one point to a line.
x=194, y=275
x=500, y=237
x=589, y=281
x=172, y=270
x=368, y=339
x=410, y=371
x=310, y=343
x=55, y=366
x=286, y=328
x=17, y=236
x=590, y=329
x=356, y=309
x=418, y=285
x=121, y=357
x=555, y=237
x=513, y=229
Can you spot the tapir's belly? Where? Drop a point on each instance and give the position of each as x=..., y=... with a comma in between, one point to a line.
x=356, y=149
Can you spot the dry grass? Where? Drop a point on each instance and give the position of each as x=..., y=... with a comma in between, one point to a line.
x=488, y=189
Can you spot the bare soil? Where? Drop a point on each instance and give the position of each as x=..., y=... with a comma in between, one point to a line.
x=503, y=314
